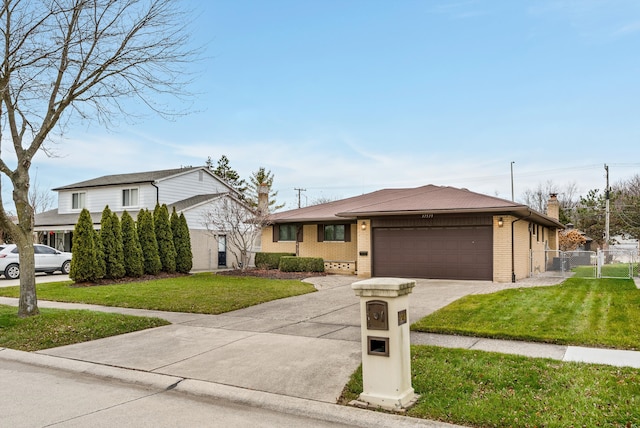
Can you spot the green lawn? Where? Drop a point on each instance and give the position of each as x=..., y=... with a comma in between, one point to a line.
x=580, y=311
x=616, y=270
x=485, y=389
x=54, y=327
x=204, y=293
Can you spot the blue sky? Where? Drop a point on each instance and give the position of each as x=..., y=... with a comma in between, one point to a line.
x=346, y=97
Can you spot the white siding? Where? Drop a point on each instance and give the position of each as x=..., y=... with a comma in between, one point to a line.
x=186, y=185
x=195, y=216
x=169, y=191
x=99, y=197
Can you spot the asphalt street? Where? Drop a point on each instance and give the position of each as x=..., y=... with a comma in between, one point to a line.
x=41, y=397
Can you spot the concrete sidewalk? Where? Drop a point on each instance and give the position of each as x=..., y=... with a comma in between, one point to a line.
x=300, y=348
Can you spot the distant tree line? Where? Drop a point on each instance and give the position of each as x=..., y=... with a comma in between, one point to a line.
x=588, y=212
x=122, y=247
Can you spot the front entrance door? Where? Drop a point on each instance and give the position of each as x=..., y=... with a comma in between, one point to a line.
x=222, y=250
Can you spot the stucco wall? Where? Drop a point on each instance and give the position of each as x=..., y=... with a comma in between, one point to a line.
x=204, y=247
x=205, y=250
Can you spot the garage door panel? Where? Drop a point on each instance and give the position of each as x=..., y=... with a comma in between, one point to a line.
x=444, y=253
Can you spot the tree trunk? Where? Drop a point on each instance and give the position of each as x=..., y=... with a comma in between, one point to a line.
x=28, y=304
x=23, y=236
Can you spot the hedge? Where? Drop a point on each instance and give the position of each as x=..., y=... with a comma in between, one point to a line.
x=301, y=264
x=270, y=260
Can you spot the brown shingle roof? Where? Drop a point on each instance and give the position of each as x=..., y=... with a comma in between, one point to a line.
x=419, y=200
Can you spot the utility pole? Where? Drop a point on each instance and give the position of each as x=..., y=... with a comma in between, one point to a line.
x=299, y=190
x=606, y=213
x=512, y=195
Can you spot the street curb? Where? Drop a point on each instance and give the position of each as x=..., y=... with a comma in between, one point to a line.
x=328, y=412
x=136, y=377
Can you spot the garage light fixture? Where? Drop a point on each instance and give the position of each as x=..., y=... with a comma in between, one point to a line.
x=500, y=222
x=363, y=226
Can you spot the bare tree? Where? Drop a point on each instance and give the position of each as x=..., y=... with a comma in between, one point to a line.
x=78, y=60
x=40, y=199
x=323, y=200
x=241, y=225
x=567, y=197
x=625, y=213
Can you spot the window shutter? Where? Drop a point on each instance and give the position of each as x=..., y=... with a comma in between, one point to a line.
x=347, y=233
x=299, y=233
x=276, y=232
x=321, y=233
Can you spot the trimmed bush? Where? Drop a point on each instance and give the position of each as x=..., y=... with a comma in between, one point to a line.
x=111, y=236
x=100, y=264
x=84, y=264
x=133, y=261
x=270, y=260
x=164, y=238
x=301, y=264
x=147, y=239
x=182, y=242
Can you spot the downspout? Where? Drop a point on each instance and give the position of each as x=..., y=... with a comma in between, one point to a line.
x=157, y=192
x=513, y=249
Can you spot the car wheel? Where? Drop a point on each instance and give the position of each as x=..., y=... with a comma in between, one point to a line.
x=66, y=267
x=12, y=271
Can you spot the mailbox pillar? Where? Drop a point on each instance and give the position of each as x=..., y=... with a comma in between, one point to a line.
x=386, y=355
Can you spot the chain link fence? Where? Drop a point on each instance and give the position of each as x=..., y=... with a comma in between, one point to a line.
x=585, y=264
x=614, y=263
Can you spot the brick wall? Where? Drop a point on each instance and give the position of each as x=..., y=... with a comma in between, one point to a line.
x=521, y=254
x=502, y=249
x=364, y=246
x=310, y=247
x=526, y=236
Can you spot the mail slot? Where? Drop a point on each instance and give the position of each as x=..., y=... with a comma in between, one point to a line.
x=378, y=346
x=377, y=315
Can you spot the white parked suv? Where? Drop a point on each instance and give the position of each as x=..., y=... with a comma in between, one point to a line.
x=48, y=260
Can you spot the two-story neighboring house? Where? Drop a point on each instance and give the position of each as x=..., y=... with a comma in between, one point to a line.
x=193, y=191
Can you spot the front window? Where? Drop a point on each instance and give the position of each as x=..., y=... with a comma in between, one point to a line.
x=130, y=197
x=287, y=232
x=78, y=200
x=334, y=232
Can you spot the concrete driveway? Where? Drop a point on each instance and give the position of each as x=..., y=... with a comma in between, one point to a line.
x=304, y=346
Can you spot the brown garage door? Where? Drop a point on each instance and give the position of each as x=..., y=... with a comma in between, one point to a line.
x=435, y=252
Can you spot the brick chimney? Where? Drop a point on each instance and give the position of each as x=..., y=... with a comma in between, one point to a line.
x=553, y=206
x=263, y=199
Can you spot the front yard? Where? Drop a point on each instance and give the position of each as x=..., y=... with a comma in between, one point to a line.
x=54, y=327
x=484, y=389
x=580, y=311
x=473, y=388
x=203, y=293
